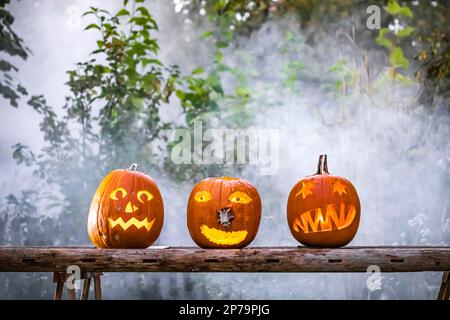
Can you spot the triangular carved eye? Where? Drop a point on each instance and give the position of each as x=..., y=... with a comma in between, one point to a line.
x=339, y=187
x=305, y=189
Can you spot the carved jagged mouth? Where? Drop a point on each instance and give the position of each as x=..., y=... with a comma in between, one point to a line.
x=132, y=222
x=223, y=237
x=337, y=216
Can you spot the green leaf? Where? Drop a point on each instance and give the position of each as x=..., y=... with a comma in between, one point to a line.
x=87, y=13
x=146, y=61
x=97, y=51
x=92, y=26
x=338, y=66
x=197, y=71
x=395, y=9
x=140, y=21
x=406, y=32
x=403, y=79
x=143, y=11
x=382, y=40
x=222, y=44
x=207, y=34
x=122, y=12
x=243, y=92
x=180, y=94
x=138, y=102
x=218, y=56
x=219, y=5
x=397, y=59
x=288, y=35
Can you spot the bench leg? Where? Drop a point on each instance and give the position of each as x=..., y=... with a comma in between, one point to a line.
x=86, y=285
x=70, y=294
x=444, y=291
x=59, y=280
x=58, y=291
x=97, y=286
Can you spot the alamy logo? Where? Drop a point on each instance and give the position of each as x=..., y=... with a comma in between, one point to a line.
x=253, y=146
x=73, y=21
x=373, y=282
x=373, y=22
x=72, y=280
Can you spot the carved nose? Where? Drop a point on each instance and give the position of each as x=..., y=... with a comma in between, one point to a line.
x=130, y=208
x=225, y=216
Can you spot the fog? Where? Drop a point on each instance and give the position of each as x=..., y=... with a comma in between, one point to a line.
x=395, y=151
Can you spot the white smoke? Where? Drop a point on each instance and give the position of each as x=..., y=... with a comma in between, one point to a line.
x=395, y=151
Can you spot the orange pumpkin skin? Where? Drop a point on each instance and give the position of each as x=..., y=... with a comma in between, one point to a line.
x=223, y=213
x=323, y=210
x=126, y=212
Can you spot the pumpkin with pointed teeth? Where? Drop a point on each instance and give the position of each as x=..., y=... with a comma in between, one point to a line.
x=127, y=211
x=323, y=210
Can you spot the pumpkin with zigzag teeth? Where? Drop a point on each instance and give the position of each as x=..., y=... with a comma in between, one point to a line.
x=223, y=213
x=127, y=211
x=323, y=210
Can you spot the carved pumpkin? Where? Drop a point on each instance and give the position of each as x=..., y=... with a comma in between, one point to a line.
x=323, y=210
x=126, y=211
x=223, y=213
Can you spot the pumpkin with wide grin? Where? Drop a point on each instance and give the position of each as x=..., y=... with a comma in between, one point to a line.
x=223, y=213
x=323, y=210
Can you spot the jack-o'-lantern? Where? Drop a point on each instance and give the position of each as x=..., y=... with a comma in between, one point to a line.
x=127, y=211
x=223, y=213
x=323, y=210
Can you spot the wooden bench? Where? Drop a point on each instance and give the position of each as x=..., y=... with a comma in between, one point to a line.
x=92, y=262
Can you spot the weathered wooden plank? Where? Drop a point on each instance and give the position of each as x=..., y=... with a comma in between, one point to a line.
x=253, y=259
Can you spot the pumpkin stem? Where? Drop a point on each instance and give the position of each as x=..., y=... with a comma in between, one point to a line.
x=134, y=167
x=322, y=167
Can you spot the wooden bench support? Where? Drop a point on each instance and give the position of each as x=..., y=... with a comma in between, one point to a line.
x=85, y=292
x=444, y=291
x=253, y=259
x=59, y=290
x=60, y=278
x=97, y=286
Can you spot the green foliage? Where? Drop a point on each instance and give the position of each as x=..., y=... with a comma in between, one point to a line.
x=111, y=117
x=292, y=70
x=397, y=59
x=129, y=87
x=202, y=94
x=344, y=78
x=203, y=98
x=406, y=32
x=394, y=8
x=433, y=51
x=392, y=37
x=382, y=40
x=19, y=213
x=11, y=45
